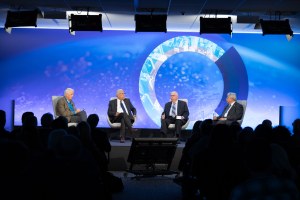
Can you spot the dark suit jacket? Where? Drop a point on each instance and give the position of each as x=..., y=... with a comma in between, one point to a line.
x=62, y=108
x=235, y=113
x=182, y=109
x=112, y=108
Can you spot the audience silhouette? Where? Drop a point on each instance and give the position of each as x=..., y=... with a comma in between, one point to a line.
x=220, y=161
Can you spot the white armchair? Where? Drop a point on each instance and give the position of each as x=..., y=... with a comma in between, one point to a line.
x=244, y=104
x=116, y=125
x=184, y=126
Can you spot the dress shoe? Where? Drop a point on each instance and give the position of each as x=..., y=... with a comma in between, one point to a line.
x=122, y=139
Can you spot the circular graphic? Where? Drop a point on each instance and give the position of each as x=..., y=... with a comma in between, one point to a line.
x=229, y=64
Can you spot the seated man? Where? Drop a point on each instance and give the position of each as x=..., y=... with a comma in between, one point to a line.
x=232, y=112
x=121, y=110
x=65, y=107
x=175, y=111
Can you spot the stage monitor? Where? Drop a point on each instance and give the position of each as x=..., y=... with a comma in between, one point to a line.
x=215, y=25
x=152, y=151
x=86, y=23
x=150, y=23
x=21, y=18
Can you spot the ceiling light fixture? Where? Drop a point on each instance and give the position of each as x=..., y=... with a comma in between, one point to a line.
x=216, y=25
x=85, y=23
x=20, y=19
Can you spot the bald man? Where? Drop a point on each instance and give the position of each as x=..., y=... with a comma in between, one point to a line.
x=121, y=110
x=175, y=112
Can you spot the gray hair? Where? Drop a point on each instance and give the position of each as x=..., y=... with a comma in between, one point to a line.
x=68, y=90
x=119, y=91
x=175, y=93
x=232, y=95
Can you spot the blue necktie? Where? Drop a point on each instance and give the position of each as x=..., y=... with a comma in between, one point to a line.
x=71, y=107
x=123, y=108
x=173, y=110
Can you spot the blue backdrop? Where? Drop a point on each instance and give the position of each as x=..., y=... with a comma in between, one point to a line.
x=36, y=64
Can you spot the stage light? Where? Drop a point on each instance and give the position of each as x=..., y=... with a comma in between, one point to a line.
x=150, y=23
x=20, y=19
x=276, y=27
x=85, y=23
x=216, y=25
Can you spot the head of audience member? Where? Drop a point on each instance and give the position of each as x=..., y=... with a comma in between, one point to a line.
x=263, y=131
x=84, y=133
x=281, y=134
x=54, y=138
x=267, y=122
x=220, y=138
x=69, y=147
x=206, y=126
x=174, y=96
x=281, y=166
x=196, y=127
x=26, y=115
x=46, y=120
x=120, y=94
x=246, y=135
x=2, y=119
x=30, y=122
x=93, y=120
x=296, y=127
x=69, y=93
x=60, y=123
x=258, y=156
x=231, y=97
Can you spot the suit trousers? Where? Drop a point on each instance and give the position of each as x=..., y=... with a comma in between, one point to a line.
x=79, y=117
x=126, y=121
x=171, y=120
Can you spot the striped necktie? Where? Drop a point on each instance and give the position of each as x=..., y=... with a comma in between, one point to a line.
x=173, y=113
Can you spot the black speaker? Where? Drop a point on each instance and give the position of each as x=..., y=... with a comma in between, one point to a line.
x=150, y=23
x=276, y=27
x=215, y=25
x=86, y=23
x=21, y=18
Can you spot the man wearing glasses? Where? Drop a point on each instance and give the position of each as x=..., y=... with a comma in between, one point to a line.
x=175, y=112
x=121, y=110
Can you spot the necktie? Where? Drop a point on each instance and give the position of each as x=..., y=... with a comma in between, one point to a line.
x=71, y=107
x=173, y=110
x=123, y=108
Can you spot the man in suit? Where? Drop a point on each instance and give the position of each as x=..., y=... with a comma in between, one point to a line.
x=232, y=112
x=121, y=110
x=65, y=107
x=175, y=111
